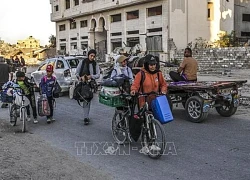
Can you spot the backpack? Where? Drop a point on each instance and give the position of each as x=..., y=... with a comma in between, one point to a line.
x=83, y=92
x=143, y=79
x=56, y=89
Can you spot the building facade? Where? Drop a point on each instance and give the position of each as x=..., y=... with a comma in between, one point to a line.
x=157, y=25
x=30, y=42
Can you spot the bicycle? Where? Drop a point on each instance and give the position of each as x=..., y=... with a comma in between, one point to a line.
x=151, y=129
x=19, y=107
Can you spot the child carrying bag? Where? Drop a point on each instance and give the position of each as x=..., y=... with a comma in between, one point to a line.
x=43, y=106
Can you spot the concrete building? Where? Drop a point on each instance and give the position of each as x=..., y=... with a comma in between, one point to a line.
x=30, y=42
x=242, y=20
x=157, y=25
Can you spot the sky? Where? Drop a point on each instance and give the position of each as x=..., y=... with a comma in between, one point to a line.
x=20, y=19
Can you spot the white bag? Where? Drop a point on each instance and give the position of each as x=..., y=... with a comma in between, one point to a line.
x=18, y=100
x=71, y=89
x=111, y=91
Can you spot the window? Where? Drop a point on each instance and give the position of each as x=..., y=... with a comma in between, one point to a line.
x=131, y=42
x=84, y=37
x=56, y=8
x=84, y=23
x=73, y=39
x=133, y=32
x=246, y=17
x=62, y=27
x=44, y=66
x=116, y=34
x=154, y=30
x=154, y=11
x=67, y=4
x=84, y=44
x=73, y=45
x=73, y=25
x=73, y=62
x=59, y=64
x=210, y=11
x=116, y=44
x=245, y=34
x=133, y=15
x=116, y=18
x=76, y=2
x=62, y=47
x=62, y=40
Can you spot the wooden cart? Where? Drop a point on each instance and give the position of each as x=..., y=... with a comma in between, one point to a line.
x=199, y=97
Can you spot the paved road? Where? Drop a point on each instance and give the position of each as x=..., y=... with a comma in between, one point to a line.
x=216, y=149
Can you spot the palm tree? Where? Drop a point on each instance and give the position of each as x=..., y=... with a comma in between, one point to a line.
x=52, y=41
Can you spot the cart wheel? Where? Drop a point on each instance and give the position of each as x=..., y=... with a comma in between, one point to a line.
x=194, y=109
x=226, y=110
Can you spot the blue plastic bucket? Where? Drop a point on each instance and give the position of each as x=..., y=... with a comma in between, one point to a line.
x=161, y=110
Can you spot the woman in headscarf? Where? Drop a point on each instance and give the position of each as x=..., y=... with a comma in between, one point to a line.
x=88, y=69
x=121, y=67
x=149, y=79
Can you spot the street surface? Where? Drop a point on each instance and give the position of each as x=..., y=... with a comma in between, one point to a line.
x=217, y=148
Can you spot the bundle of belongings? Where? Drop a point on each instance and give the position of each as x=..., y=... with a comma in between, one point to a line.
x=112, y=89
x=7, y=92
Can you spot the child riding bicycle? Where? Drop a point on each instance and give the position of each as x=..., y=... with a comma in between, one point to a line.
x=27, y=88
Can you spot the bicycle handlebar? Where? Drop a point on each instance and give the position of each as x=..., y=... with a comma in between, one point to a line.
x=146, y=94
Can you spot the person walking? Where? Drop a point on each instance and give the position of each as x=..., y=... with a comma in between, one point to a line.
x=187, y=70
x=22, y=61
x=4, y=76
x=17, y=62
x=47, y=85
x=87, y=70
x=27, y=87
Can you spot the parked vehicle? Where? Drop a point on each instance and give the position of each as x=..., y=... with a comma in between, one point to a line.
x=64, y=70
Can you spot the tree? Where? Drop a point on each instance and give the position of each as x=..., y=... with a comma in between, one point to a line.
x=227, y=40
x=52, y=41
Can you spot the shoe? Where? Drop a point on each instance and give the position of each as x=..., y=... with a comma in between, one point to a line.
x=35, y=121
x=28, y=118
x=52, y=119
x=48, y=120
x=155, y=148
x=86, y=121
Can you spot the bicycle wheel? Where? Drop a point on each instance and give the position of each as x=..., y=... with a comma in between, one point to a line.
x=119, y=127
x=13, y=114
x=153, y=139
x=23, y=117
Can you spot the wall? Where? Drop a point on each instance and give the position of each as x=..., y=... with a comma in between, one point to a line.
x=216, y=58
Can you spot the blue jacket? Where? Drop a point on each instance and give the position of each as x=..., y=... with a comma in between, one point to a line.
x=47, y=85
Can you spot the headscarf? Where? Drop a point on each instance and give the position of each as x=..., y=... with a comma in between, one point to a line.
x=91, y=51
x=150, y=59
